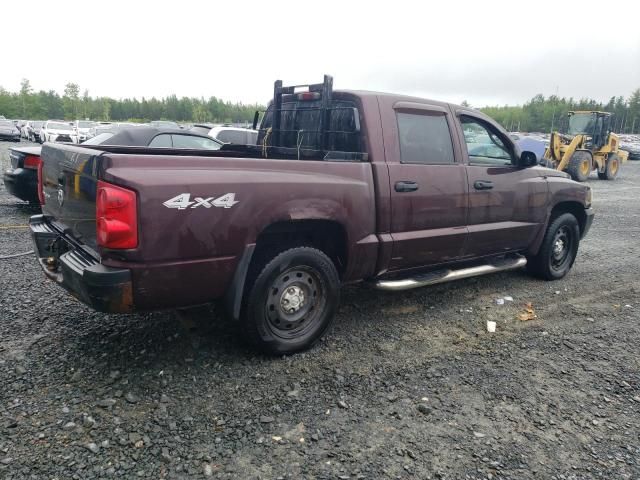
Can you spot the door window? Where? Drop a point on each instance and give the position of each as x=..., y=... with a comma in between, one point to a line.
x=424, y=139
x=484, y=145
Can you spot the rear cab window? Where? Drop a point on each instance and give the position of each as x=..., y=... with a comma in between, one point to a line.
x=300, y=125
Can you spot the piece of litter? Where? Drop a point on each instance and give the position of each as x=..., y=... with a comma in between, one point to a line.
x=528, y=314
x=557, y=292
x=276, y=439
x=491, y=326
x=499, y=301
x=508, y=299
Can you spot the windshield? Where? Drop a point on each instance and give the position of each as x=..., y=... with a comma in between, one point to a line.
x=105, y=128
x=85, y=124
x=37, y=124
x=4, y=123
x=58, y=126
x=581, y=123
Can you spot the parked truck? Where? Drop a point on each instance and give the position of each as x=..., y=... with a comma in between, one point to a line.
x=341, y=187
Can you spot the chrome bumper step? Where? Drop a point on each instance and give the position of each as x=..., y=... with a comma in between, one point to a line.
x=447, y=275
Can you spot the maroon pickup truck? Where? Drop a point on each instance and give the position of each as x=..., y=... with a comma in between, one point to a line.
x=342, y=187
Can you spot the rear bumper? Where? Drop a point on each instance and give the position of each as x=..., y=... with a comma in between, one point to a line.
x=22, y=183
x=589, y=214
x=64, y=261
x=8, y=136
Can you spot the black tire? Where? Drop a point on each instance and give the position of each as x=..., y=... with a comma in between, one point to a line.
x=580, y=165
x=292, y=301
x=552, y=262
x=611, y=169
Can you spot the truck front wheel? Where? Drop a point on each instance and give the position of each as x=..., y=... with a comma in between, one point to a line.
x=292, y=301
x=580, y=165
x=558, y=250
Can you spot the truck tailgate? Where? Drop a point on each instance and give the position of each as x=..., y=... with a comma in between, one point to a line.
x=69, y=177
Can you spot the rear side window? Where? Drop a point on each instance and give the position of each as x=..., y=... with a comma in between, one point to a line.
x=189, y=141
x=161, y=141
x=233, y=136
x=424, y=139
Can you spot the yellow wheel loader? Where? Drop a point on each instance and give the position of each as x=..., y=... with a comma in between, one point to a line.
x=588, y=145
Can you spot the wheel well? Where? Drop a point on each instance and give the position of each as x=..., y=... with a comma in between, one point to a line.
x=325, y=235
x=574, y=208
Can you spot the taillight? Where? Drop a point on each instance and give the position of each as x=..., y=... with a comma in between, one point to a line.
x=32, y=162
x=116, y=216
x=308, y=96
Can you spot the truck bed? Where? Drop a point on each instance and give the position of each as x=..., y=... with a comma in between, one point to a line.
x=183, y=233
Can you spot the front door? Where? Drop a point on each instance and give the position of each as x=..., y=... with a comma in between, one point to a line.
x=428, y=187
x=507, y=203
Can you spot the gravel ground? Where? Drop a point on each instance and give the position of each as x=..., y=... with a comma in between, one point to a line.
x=406, y=385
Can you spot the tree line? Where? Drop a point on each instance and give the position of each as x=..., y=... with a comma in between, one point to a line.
x=543, y=114
x=71, y=105
x=540, y=114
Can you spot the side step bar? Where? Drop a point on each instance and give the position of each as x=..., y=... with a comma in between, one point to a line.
x=442, y=276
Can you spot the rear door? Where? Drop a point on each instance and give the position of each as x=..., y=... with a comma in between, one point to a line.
x=507, y=203
x=428, y=184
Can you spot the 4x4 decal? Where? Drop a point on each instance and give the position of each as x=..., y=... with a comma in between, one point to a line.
x=183, y=201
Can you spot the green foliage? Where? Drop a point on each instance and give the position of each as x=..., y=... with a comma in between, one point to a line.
x=542, y=114
x=42, y=105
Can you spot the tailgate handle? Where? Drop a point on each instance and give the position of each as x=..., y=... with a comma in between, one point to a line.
x=405, y=186
x=483, y=185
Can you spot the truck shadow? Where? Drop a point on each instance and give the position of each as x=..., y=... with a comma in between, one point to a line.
x=186, y=340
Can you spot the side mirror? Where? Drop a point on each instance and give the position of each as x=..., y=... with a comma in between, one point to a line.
x=256, y=116
x=527, y=159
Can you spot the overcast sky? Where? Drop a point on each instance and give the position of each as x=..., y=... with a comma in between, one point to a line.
x=485, y=52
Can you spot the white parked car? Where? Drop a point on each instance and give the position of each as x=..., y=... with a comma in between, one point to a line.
x=58, y=131
x=82, y=128
x=240, y=136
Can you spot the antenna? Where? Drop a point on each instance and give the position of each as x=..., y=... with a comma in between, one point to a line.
x=553, y=114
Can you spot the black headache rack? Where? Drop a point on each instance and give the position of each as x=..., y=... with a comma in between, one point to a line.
x=275, y=137
x=275, y=140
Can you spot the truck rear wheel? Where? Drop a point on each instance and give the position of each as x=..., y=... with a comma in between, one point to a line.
x=580, y=165
x=611, y=168
x=292, y=301
x=558, y=250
